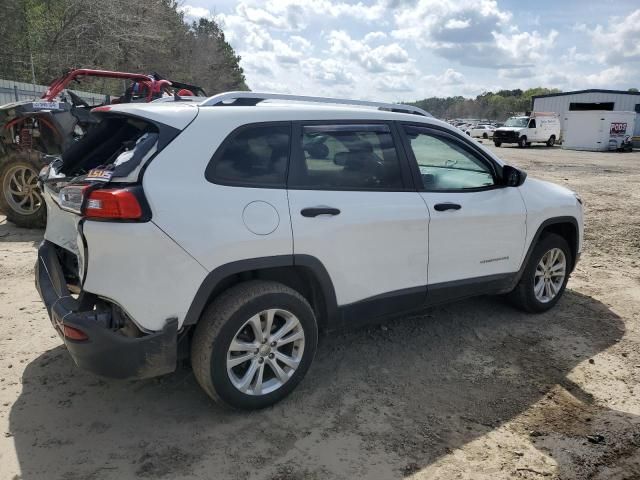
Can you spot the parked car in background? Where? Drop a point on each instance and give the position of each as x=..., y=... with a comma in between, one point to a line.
x=236, y=234
x=480, y=131
x=539, y=127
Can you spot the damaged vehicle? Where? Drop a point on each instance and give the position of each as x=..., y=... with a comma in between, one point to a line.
x=234, y=230
x=33, y=132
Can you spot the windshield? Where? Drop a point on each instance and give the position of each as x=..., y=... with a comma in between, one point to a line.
x=517, y=122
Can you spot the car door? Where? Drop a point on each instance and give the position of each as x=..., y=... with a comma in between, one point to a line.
x=477, y=227
x=354, y=208
x=534, y=132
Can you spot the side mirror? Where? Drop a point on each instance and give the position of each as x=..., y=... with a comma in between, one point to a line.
x=513, y=177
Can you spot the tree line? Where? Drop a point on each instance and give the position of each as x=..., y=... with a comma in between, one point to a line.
x=489, y=105
x=44, y=38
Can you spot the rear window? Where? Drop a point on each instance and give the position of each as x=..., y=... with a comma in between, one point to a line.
x=254, y=156
x=117, y=142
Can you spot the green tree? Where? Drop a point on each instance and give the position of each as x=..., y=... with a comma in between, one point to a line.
x=487, y=105
x=142, y=36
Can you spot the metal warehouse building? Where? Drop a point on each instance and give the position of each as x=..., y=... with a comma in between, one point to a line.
x=582, y=100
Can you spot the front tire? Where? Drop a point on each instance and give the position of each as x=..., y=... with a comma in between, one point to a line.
x=497, y=144
x=545, y=276
x=254, y=344
x=522, y=142
x=20, y=198
x=485, y=136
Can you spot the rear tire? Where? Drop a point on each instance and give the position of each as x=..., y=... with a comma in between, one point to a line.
x=485, y=136
x=228, y=332
x=18, y=184
x=526, y=296
x=552, y=141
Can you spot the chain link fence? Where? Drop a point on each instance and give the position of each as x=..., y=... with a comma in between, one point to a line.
x=12, y=91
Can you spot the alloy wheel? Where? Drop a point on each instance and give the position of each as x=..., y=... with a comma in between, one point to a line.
x=21, y=190
x=550, y=275
x=265, y=352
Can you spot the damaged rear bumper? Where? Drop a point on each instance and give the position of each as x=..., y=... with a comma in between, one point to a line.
x=106, y=351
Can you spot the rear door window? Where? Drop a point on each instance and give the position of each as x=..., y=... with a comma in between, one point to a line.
x=253, y=156
x=346, y=157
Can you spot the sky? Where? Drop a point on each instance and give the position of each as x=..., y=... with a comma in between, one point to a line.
x=405, y=50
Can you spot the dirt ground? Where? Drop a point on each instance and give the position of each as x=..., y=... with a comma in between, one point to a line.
x=473, y=390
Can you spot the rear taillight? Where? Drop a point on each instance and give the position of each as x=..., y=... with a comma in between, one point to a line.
x=73, y=333
x=125, y=203
x=115, y=204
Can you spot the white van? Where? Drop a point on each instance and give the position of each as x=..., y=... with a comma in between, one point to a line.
x=539, y=127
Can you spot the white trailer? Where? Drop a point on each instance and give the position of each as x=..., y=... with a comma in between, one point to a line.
x=593, y=99
x=598, y=130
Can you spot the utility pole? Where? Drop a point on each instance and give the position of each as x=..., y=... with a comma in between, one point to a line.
x=33, y=75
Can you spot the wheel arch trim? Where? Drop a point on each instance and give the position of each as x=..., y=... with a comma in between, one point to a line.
x=547, y=223
x=219, y=274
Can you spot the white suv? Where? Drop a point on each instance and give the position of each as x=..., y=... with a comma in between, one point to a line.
x=236, y=229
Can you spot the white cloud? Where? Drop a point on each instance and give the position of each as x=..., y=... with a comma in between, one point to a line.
x=525, y=47
x=328, y=72
x=379, y=49
x=285, y=53
x=192, y=13
x=301, y=42
x=394, y=84
x=607, y=76
x=449, y=77
x=374, y=37
x=454, y=23
x=387, y=57
x=619, y=41
x=446, y=21
x=245, y=35
x=471, y=33
x=260, y=16
x=295, y=15
x=516, y=73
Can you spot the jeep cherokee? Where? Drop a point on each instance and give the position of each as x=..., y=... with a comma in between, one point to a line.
x=235, y=229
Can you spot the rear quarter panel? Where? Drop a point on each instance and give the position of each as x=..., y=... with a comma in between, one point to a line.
x=204, y=218
x=141, y=269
